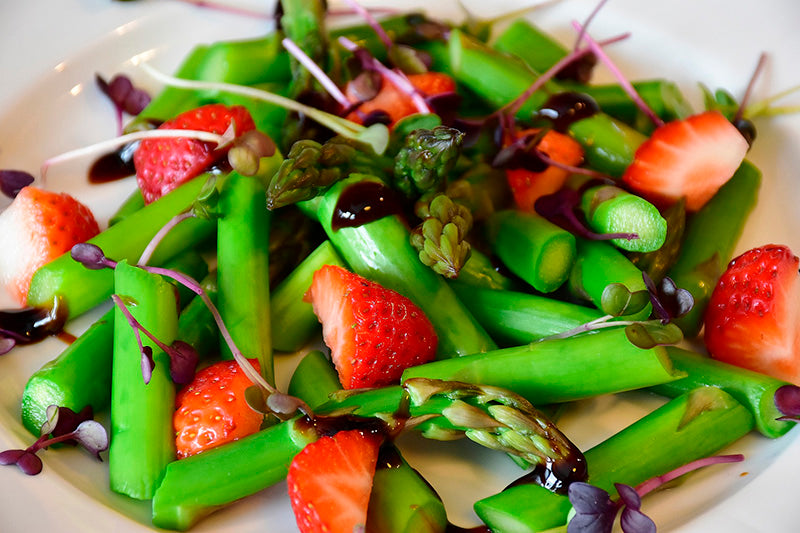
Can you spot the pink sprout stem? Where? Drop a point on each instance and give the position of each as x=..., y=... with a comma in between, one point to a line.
x=574, y=170
x=228, y=8
x=363, y=12
x=397, y=79
x=762, y=60
x=654, y=483
x=514, y=106
x=195, y=287
x=159, y=236
x=317, y=72
x=588, y=21
x=623, y=81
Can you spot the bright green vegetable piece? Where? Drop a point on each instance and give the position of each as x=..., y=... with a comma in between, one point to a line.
x=479, y=271
x=609, y=209
x=532, y=247
x=142, y=438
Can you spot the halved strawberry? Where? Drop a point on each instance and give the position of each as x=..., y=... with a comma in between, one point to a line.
x=36, y=228
x=330, y=482
x=212, y=410
x=528, y=186
x=395, y=102
x=692, y=157
x=753, y=317
x=373, y=332
x=164, y=163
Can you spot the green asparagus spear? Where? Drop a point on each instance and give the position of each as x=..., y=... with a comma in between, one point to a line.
x=711, y=236
x=753, y=390
x=132, y=204
x=80, y=289
x=314, y=379
x=690, y=427
x=478, y=271
x=380, y=250
x=243, y=267
x=600, y=264
x=609, y=209
x=533, y=248
x=426, y=159
x=562, y=370
x=292, y=320
x=514, y=318
x=142, y=439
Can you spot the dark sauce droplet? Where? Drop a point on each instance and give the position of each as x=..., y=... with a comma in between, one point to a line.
x=33, y=324
x=452, y=528
x=555, y=476
x=114, y=165
x=747, y=129
x=579, y=69
x=364, y=202
x=564, y=109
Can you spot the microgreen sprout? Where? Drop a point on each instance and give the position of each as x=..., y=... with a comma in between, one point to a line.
x=12, y=181
x=561, y=208
x=125, y=97
x=596, y=512
x=362, y=11
x=787, y=400
x=377, y=135
x=148, y=251
x=317, y=72
x=91, y=256
x=597, y=49
x=669, y=301
x=183, y=358
x=62, y=425
x=111, y=144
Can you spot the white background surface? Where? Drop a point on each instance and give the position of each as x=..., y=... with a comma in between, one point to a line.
x=49, y=104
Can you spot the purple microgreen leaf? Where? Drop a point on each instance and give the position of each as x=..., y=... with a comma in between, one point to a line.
x=6, y=344
x=669, y=302
x=787, y=400
x=284, y=406
x=635, y=521
x=68, y=420
x=561, y=208
x=628, y=495
x=182, y=362
x=29, y=463
x=92, y=436
x=10, y=457
x=594, y=510
x=91, y=256
x=148, y=364
x=51, y=419
x=366, y=85
x=445, y=105
x=247, y=151
x=379, y=116
x=125, y=97
x=521, y=153
x=13, y=181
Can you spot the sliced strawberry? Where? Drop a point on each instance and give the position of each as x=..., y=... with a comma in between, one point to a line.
x=212, y=409
x=330, y=482
x=395, y=102
x=164, y=163
x=689, y=158
x=528, y=186
x=36, y=228
x=374, y=333
x=753, y=317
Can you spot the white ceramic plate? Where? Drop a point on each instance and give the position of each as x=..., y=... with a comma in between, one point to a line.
x=49, y=104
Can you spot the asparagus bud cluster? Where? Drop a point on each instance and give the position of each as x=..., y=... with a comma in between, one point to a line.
x=440, y=239
x=426, y=158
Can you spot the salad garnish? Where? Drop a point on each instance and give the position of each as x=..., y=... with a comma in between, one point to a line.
x=12, y=181
x=125, y=97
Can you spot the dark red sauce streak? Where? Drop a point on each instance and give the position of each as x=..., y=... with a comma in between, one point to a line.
x=32, y=324
x=364, y=202
x=111, y=167
x=564, y=109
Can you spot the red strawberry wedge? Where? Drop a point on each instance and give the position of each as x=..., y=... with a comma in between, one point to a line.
x=36, y=228
x=164, y=163
x=753, y=317
x=330, y=482
x=212, y=410
x=373, y=332
x=693, y=157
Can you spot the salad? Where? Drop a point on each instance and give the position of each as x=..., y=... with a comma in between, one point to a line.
x=575, y=427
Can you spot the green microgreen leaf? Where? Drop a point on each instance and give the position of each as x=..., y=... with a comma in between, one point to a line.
x=647, y=335
x=618, y=300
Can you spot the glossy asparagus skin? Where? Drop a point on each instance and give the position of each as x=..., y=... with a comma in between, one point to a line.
x=514, y=318
x=554, y=371
x=81, y=374
x=609, y=145
x=81, y=289
x=142, y=438
x=753, y=390
x=380, y=251
x=654, y=445
x=609, y=209
x=479, y=271
x=292, y=320
x=401, y=501
x=196, y=486
x=532, y=247
x=243, y=268
x=710, y=239
x=132, y=204
x=598, y=264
